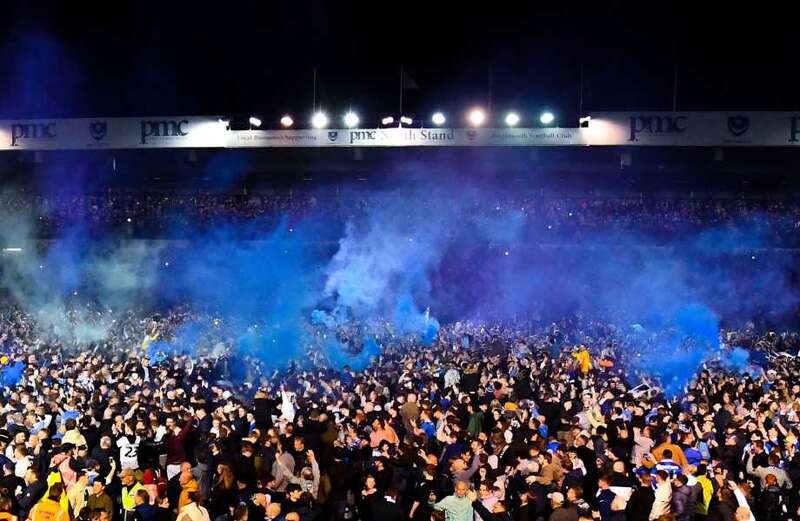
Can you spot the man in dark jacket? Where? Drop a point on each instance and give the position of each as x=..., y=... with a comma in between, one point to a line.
x=341, y=477
x=144, y=511
x=589, y=459
x=103, y=453
x=10, y=482
x=605, y=500
x=499, y=511
x=34, y=491
x=681, y=503
x=99, y=498
x=641, y=501
x=560, y=511
x=725, y=508
x=387, y=508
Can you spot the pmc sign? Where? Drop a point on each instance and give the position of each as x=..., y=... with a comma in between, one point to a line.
x=656, y=124
x=165, y=128
x=32, y=131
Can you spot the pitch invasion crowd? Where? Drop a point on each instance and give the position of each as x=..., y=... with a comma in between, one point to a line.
x=158, y=214
x=506, y=423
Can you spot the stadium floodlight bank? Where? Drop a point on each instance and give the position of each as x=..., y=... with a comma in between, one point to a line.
x=701, y=129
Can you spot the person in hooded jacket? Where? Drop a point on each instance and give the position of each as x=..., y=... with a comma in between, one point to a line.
x=681, y=503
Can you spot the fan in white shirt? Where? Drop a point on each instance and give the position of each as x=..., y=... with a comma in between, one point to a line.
x=129, y=451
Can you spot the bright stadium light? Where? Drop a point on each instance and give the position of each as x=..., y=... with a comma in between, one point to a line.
x=254, y=121
x=388, y=120
x=546, y=118
x=287, y=121
x=351, y=120
x=405, y=120
x=512, y=119
x=476, y=117
x=319, y=120
x=438, y=119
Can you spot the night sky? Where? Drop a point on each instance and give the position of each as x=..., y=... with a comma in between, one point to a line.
x=169, y=58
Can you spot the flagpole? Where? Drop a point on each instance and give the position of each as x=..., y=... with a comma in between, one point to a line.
x=400, y=112
x=675, y=88
x=314, y=92
x=489, y=83
x=580, y=95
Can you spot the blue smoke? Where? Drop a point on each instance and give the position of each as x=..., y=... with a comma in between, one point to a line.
x=340, y=355
x=410, y=323
x=737, y=360
x=12, y=374
x=262, y=289
x=675, y=356
x=445, y=250
x=185, y=340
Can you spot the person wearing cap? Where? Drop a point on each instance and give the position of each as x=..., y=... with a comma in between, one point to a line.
x=561, y=511
x=50, y=507
x=130, y=486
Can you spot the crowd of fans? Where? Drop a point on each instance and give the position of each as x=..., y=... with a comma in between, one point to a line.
x=175, y=214
x=508, y=422
x=107, y=416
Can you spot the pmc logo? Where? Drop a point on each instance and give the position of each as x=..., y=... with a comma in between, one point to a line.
x=169, y=128
x=656, y=125
x=738, y=125
x=32, y=131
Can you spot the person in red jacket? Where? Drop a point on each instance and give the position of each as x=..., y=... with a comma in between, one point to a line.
x=175, y=443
